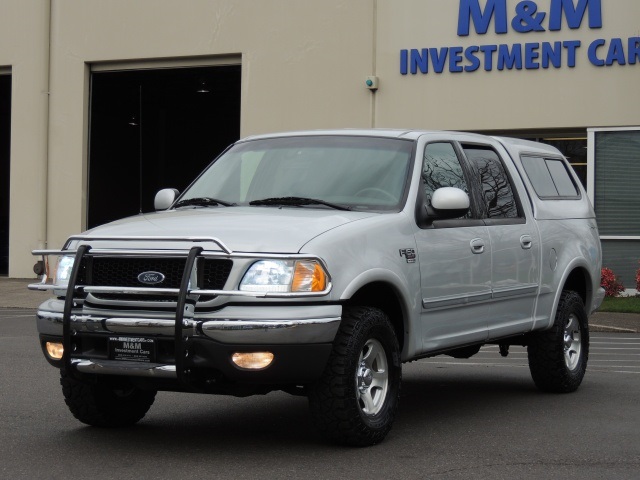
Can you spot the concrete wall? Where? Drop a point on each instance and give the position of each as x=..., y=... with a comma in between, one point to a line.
x=24, y=47
x=303, y=67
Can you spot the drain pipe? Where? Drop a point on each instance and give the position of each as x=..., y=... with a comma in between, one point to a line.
x=47, y=92
x=374, y=52
x=40, y=266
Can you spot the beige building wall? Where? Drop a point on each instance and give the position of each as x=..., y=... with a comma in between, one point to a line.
x=24, y=48
x=303, y=67
x=583, y=96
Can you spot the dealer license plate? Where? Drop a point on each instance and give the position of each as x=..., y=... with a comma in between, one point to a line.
x=132, y=349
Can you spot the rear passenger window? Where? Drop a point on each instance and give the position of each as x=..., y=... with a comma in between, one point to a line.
x=498, y=198
x=549, y=177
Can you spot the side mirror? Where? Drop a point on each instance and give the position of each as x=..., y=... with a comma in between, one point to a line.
x=165, y=198
x=449, y=202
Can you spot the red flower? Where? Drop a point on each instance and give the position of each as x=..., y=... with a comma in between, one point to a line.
x=613, y=287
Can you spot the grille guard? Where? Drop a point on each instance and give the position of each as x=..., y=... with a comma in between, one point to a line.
x=85, y=248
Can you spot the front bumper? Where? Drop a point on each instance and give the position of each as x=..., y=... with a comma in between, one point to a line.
x=299, y=336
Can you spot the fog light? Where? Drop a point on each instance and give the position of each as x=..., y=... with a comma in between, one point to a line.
x=54, y=350
x=252, y=360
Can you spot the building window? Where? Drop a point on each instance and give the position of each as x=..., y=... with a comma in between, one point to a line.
x=617, y=197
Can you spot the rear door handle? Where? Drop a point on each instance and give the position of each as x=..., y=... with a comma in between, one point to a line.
x=526, y=242
x=477, y=246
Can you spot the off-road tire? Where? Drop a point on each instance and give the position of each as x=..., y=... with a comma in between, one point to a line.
x=553, y=366
x=105, y=406
x=336, y=401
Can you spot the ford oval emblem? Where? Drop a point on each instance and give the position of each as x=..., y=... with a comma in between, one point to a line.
x=151, y=278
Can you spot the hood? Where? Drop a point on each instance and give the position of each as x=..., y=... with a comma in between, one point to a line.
x=242, y=229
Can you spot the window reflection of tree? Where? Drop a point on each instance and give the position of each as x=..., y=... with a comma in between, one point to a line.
x=499, y=201
x=442, y=171
x=441, y=168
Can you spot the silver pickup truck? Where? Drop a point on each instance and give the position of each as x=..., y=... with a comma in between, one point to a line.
x=317, y=263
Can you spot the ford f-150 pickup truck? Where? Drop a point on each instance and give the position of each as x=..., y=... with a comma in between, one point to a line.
x=317, y=263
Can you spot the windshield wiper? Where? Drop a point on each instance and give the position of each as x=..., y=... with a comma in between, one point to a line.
x=297, y=201
x=203, y=202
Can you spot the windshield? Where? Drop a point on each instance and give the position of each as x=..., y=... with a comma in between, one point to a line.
x=360, y=173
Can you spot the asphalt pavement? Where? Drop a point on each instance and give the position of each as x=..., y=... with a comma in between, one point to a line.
x=15, y=294
x=480, y=418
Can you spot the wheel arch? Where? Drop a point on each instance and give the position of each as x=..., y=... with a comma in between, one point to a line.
x=386, y=296
x=578, y=279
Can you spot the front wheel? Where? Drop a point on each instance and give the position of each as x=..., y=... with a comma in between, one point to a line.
x=558, y=356
x=102, y=405
x=355, y=400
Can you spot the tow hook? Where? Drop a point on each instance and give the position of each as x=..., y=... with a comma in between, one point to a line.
x=504, y=349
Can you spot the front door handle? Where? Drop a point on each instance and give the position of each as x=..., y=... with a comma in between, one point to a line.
x=526, y=242
x=477, y=246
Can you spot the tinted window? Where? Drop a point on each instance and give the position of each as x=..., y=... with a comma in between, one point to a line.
x=561, y=178
x=498, y=200
x=441, y=168
x=549, y=177
x=540, y=176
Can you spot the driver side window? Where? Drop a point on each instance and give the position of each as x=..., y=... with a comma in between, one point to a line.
x=441, y=168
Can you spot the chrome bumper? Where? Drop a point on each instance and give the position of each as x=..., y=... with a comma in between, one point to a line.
x=110, y=367
x=260, y=324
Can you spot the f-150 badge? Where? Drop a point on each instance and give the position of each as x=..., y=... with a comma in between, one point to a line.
x=409, y=254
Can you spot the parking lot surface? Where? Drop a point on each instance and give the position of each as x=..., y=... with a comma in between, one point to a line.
x=476, y=418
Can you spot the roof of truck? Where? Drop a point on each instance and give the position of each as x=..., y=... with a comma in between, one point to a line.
x=371, y=132
x=511, y=144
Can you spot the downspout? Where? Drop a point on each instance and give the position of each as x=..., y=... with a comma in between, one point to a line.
x=374, y=50
x=47, y=92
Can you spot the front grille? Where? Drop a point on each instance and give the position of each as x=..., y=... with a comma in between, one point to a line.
x=214, y=274
x=124, y=272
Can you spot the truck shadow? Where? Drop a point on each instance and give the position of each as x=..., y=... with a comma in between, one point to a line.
x=431, y=400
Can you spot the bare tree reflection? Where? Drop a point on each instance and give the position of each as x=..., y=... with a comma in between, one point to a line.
x=441, y=171
x=498, y=198
x=442, y=168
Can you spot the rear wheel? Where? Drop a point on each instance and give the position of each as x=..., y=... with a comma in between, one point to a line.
x=558, y=356
x=356, y=399
x=104, y=405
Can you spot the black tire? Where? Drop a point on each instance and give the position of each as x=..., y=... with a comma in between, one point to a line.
x=352, y=404
x=558, y=356
x=106, y=406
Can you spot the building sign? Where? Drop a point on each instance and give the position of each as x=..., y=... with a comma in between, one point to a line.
x=527, y=17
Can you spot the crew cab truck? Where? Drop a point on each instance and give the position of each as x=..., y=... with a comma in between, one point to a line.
x=317, y=263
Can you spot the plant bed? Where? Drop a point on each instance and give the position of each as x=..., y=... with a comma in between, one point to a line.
x=621, y=305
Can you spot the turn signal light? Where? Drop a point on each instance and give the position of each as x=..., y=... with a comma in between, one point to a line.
x=252, y=360
x=308, y=277
x=55, y=350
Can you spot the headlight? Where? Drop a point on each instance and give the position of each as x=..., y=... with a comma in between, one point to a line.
x=284, y=276
x=63, y=270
